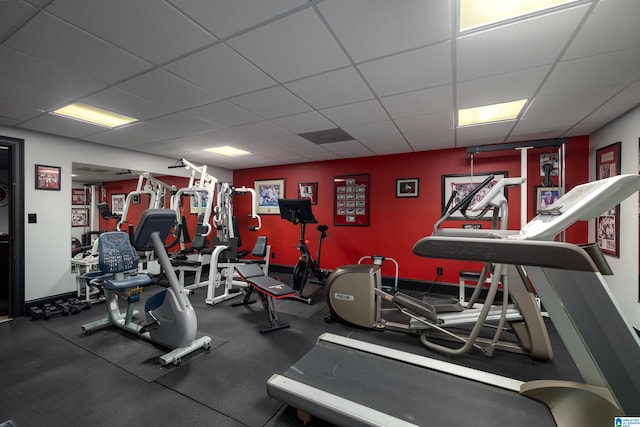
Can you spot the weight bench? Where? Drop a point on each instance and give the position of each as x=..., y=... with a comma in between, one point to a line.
x=268, y=289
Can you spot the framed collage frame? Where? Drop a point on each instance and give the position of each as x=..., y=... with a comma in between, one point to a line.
x=462, y=184
x=608, y=224
x=79, y=217
x=351, y=200
x=47, y=177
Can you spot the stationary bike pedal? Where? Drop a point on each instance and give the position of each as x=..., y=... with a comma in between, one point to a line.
x=149, y=327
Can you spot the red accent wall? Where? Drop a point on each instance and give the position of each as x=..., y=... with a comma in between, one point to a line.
x=395, y=224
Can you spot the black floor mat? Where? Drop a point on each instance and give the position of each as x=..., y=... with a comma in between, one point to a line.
x=131, y=353
x=302, y=309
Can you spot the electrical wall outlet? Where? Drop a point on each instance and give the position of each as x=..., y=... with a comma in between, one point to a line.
x=439, y=271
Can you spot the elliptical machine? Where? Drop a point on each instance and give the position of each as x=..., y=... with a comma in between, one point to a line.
x=354, y=295
x=170, y=317
x=298, y=211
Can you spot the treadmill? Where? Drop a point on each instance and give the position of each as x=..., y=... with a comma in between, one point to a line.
x=352, y=383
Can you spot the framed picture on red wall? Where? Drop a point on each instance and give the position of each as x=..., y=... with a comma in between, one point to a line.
x=608, y=224
x=456, y=187
x=351, y=200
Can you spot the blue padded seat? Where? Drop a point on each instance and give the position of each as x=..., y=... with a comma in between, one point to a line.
x=117, y=255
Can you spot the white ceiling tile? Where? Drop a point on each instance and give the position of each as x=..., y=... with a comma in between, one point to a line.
x=8, y=122
x=122, y=102
x=420, y=102
x=59, y=43
x=177, y=145
x=305, y=122
x=44, y=76
x=373, y=28
x=426, y=123
x=245, y=133
x=223, y=114
x=347, y=148
x=163, y=87
x=149, y=29
x=417, y=69
x=526, y=44
x=60, y=125
x=356, y=113
x=18, y=94
x=12, y=15
x=582, y=101
x=271, y=103
x=559, y=122
x=221, y=71
x=623, y=14
x=377, y=133
x=17, y=113
x=293, y=47
x=225, y=17
x=434, y=139
x=492, y=133
x=500, y=87
x=594, y=71
x=338, y=87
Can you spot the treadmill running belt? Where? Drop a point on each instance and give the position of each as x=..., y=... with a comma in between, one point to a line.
x=414, y=394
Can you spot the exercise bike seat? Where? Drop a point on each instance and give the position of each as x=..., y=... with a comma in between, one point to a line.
x=118, y=258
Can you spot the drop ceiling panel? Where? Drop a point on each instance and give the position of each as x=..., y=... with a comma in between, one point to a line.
x=493, y=133
x=622, y=14
x=426, y=101
x=221, y=71
x=499, y=88
x=175, y=146
x=223, y=17
x=17, y=113
x=18, y=94
x=122, y=102
x=356, y=113
x=68, y=47
x=290, y=48
x=152, y=30
x=434, y=139
x=271, y=103
x=12, y=15
x=333, y=88
x=594, y=71
x=528, y=44
x=42, y=75
x=304, y=122
x=223, y=114
x=377, y=133
x=347, y=148
x=165, y=88
x=417, y=69
x=385, y=27
x=558, y=122
x=245, y=133
x=580, y=101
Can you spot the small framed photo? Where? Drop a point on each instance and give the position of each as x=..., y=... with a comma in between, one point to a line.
x=117, y=203
x=545, y=197
x=78, y=196
x=79, y=217
x=407, y=187
x=308, y=190
x=47, y=177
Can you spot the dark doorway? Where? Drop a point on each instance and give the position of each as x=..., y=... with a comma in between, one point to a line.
x=11, y=227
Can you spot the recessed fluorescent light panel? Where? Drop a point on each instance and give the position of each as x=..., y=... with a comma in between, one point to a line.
x=226, y=150
x=93, y=115
x=490, y=113
x=481, y=13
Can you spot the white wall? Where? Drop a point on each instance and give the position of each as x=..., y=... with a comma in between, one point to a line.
x=48, y=242
x=624, y=282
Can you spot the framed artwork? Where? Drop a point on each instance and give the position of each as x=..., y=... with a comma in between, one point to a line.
x=545, y=196
x=407, y=187
x=79, y=217
x=351, y=200
x=47, y=177
x=463, y=184
x=198, y=203
x=78, y=196
x=117, y=203
x=608, y=224
x=308, y=190
x=268, y=192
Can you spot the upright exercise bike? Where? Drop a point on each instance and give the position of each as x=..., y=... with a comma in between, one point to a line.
x=298, y=211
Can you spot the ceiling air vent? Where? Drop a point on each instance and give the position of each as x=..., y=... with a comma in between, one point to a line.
x=326, y=136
